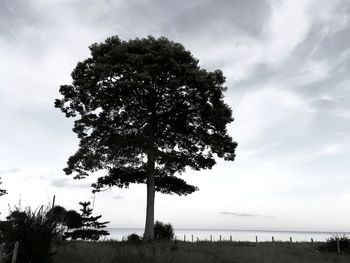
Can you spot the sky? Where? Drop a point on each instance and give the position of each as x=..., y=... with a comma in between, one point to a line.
x=286, y=64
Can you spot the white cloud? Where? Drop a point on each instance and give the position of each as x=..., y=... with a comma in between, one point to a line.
x=288, y=27
x=313, y=71
x=263, y=109
x=328, y=150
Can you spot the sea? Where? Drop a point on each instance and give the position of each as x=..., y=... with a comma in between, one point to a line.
x=193, y=235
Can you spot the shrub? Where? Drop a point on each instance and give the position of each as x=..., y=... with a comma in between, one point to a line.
x=72, y=219
x=58, y=213
x=36, y=232
x=331, y=243
x=133, y=238
x=163, y=231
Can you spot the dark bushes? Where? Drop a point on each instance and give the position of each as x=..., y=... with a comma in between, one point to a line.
x=133, y=238
x=331, y=243
x=35, y=231
x=163, y=231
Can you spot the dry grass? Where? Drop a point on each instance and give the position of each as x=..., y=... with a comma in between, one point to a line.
x=202, y=252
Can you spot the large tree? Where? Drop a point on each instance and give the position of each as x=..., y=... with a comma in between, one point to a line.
x=144, y=111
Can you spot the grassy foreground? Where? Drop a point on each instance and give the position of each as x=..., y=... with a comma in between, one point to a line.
x=202, y=252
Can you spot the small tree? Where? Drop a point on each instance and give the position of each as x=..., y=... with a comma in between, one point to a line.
x=91, y=228
x=144, y=112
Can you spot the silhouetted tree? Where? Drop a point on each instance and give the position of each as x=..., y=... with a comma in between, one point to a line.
x=144, y=110
x=91, y=228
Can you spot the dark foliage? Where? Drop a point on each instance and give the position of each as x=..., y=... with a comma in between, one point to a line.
x=86, y=234
x=144, y=112
x=36, y=232
x=72, y=219
x=133, y=238
x=163, y=231
x=58, y=214
x=90, y=228
x=140, y=97
x=331, y=243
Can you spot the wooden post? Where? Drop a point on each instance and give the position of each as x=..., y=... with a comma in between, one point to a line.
x=211, y=238
x=312, y=243
x=290, y=241
x=53, y=201
x=192, y=238
x=220, y=238
x=338, y=245
x=184, y=238
x=15, y=251
x=256, y=240
x=273, y=239
x=230, y=238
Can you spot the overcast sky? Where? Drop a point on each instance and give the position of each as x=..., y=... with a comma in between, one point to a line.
x=287, y=67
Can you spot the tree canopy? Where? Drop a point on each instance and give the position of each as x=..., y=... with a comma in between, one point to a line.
x=144, y=110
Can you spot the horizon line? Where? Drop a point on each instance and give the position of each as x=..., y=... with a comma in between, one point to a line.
x=247, y=230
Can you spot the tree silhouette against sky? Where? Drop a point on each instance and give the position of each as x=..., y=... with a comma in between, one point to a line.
x=144, y=111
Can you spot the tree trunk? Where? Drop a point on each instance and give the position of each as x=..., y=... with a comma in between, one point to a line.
x=149, y=227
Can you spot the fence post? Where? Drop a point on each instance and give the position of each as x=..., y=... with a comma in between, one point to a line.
x=273, y=239
x=338, y=245
x=290, y=241
x=220, y=238
x=2, y=253
x=192, y=238
x=15, y=251
x=231, y=238
x=211, y=238
x=256, y=240
x=184, y=238
x=312, y=243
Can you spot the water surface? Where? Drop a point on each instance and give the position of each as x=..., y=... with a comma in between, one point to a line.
x=235, y=235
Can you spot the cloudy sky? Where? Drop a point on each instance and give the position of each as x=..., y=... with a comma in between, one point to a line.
x=287, y=66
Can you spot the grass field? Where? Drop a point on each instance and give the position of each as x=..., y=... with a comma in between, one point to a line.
x=202, y=252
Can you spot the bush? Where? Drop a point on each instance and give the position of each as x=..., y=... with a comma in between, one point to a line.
x=72, y=219
x=331, y=243
x=163, y=231
x=133, y=238
x=36, y=232
x=58, y=213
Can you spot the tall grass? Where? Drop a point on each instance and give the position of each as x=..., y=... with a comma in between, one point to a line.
x=202, y=252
